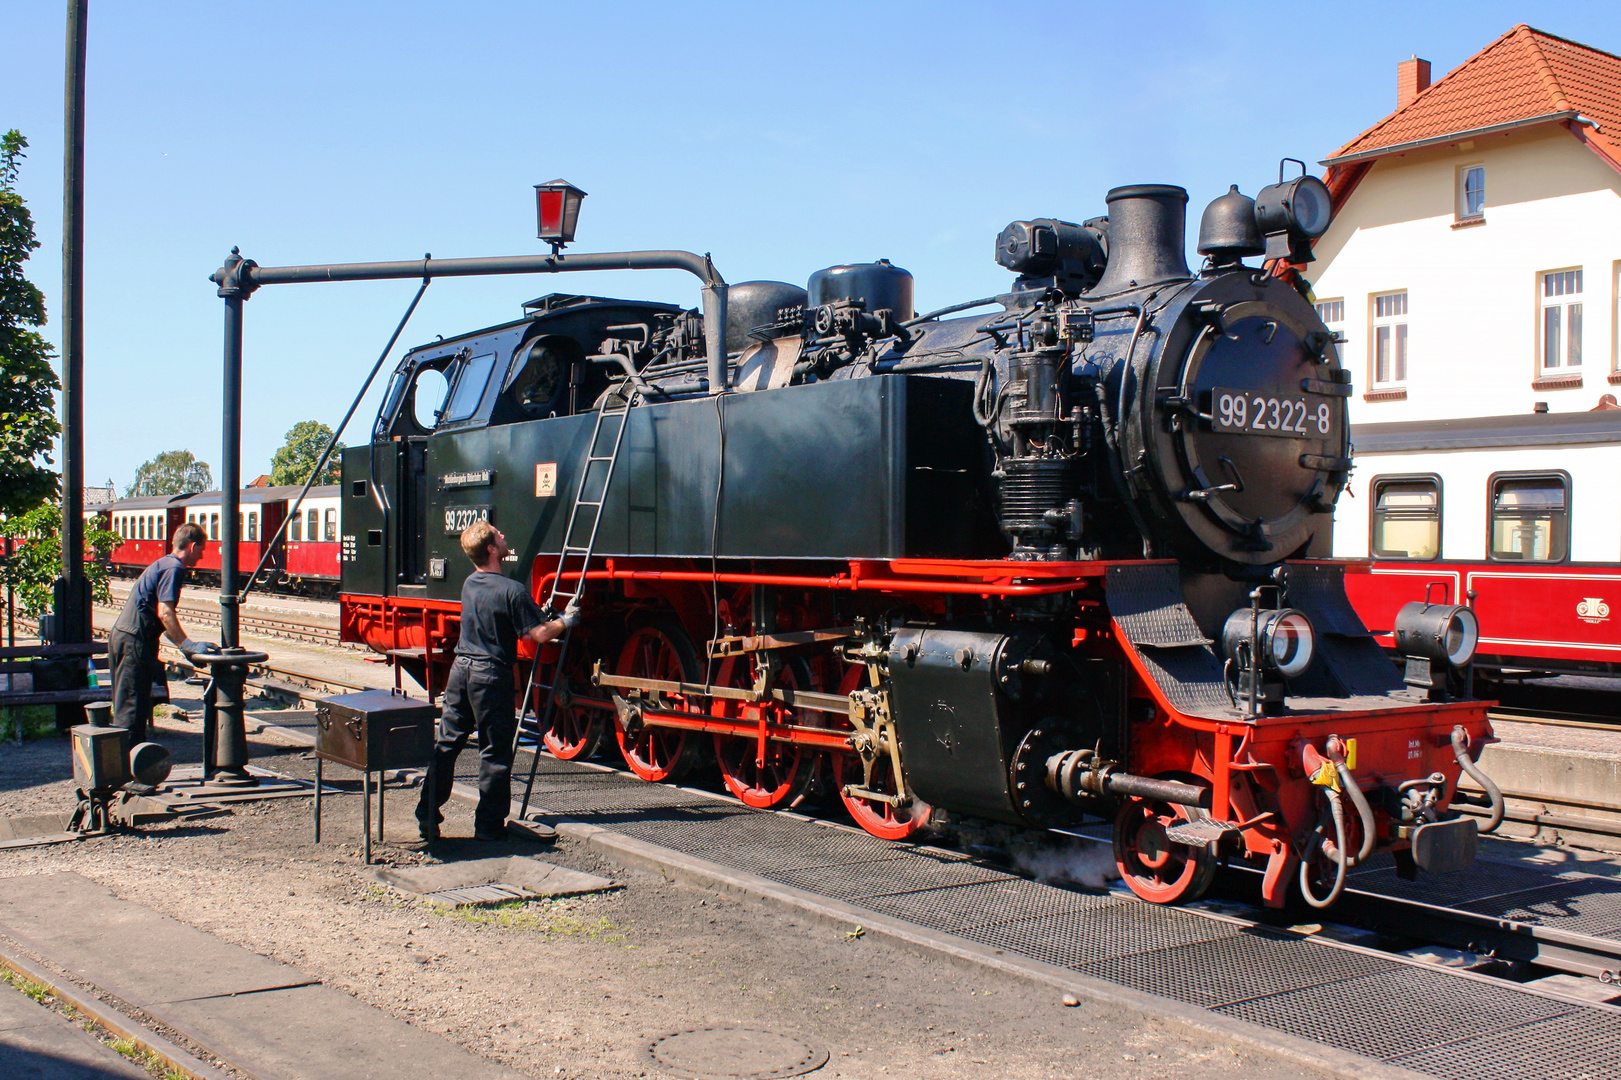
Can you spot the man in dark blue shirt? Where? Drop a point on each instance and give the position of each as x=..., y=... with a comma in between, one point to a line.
x=480, y=692
x=151, y=612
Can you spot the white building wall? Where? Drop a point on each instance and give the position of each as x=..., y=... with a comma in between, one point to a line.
x=1473, y=311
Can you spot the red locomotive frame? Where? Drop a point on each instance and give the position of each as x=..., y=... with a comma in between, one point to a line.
x=1261, y=770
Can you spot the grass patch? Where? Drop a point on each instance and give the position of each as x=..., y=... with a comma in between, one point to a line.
x=34, y=990
x=534, y=916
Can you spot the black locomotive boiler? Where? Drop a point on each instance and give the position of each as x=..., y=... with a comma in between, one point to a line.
x=1060, y=551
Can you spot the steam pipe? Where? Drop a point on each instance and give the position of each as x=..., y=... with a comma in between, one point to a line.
x=1460, y=750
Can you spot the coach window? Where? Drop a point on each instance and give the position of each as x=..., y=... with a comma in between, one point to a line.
x=295, y=528
x=1406, y=518
x=253, y=527
x=331, y=526
x=1531, y=517
x=312, y=525
x=213, y=526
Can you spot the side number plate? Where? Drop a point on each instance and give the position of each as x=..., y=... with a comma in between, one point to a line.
x=1241, y=413
x=459, y=518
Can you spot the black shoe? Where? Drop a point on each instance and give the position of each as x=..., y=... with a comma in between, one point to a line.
x=481, y=834
x=429, y=831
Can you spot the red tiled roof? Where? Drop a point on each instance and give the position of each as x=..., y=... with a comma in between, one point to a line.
x=1524, y=74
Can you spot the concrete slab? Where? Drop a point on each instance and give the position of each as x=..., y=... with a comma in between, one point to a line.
x=136, y=953
x=315, y=1033
x=532, y=877
x=37, y=1044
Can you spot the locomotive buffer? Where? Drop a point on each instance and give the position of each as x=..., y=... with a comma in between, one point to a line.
x=605, y=463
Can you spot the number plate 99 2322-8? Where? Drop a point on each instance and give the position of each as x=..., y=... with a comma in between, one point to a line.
x=459, y=518
x=1240, y=413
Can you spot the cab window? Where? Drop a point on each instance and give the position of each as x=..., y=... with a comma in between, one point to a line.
x=1530, y=518
x=538, y=376
x=1406, y=518
x=471, y=378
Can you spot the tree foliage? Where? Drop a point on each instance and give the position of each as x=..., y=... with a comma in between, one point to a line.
x=170, y=473
x=296, y=459
x=36, y=558
x=28, y=382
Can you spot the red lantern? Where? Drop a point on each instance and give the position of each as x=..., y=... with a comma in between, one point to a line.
x=557, y=207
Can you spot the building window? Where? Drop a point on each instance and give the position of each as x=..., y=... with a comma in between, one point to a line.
x=1406, y=518
x=331, y=526
x=1471, y=192
x=1531, y=518
x=1561, y=319
x=1332, y=312
x=1390, y=339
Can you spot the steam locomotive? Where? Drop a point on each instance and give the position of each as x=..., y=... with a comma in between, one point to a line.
x=1058, y=552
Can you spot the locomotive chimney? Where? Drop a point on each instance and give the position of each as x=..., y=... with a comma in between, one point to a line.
x=1147, y=232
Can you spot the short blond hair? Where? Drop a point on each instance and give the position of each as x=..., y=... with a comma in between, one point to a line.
x=476, y=541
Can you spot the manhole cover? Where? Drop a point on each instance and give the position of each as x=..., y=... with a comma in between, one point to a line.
x=733, y=1054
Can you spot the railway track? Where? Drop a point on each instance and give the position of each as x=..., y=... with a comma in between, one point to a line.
x=265, y=627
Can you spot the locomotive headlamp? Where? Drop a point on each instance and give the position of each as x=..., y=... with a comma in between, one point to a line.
x=1444, y=632
x=1291, y=214
x=1283, y=640
x=557, y=207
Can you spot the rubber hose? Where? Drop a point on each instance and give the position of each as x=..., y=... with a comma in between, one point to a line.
x=1460, y=750
x=1338, y=813
x=1363, y=810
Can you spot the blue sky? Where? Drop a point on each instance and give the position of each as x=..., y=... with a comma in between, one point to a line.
x=780, y=137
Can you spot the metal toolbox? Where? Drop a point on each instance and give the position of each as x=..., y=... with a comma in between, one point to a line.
x=375, y=730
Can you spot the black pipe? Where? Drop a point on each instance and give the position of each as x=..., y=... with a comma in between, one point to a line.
x=233, y=293
x=249, y=276
x=72, y=600
x=1169, y=791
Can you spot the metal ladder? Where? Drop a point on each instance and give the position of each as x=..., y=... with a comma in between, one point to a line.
x=594, y=462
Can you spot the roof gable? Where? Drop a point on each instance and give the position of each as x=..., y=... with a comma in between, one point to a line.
x=1525, y=75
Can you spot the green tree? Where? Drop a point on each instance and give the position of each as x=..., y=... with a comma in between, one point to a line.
x=36, y=557
x=28, y=383
x=296, y=459
x=170, y=473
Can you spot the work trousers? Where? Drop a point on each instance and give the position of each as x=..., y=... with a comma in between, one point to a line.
x=135, y=667
x=478, y=699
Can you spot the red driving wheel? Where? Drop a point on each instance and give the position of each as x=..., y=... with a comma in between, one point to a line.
x=575, y=731
x=779, y=775
x=882, y=819
x=659, y=651
x=1153, y=866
